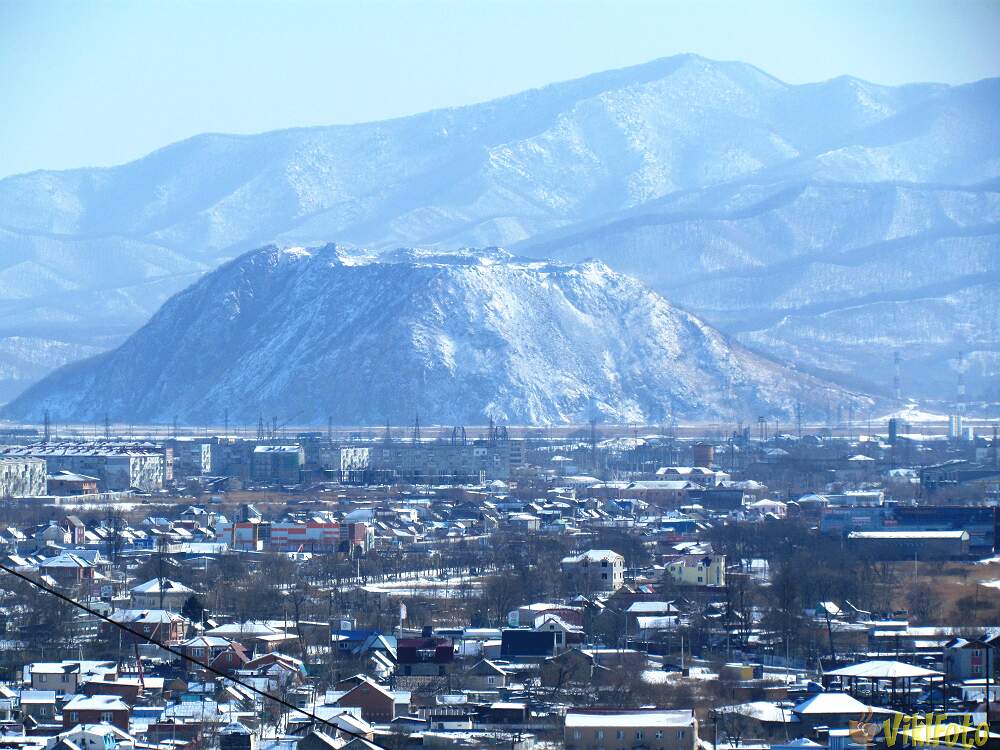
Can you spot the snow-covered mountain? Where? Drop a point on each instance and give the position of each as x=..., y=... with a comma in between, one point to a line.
x=453, y=337
x=833, y=276
x=87, y=255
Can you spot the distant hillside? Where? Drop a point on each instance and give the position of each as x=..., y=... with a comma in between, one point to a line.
x=455, y=338
x=87, y=255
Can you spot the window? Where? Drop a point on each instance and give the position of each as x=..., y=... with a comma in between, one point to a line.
x=491, y=680
x=42, y=677
x=680, y=734
x=600, y=734
x=107, y=716
x=659, y=734
x=638, y=734
x=604, y=576
x=576, y=734
x=620, y=734
x=604, y=563
x=74, y=716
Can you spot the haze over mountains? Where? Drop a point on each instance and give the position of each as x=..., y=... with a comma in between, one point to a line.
x=453, y=337
x=826, y=223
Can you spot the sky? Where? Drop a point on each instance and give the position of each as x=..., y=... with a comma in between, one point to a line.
x=97, y=83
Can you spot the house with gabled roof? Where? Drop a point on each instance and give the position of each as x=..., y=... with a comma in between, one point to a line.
x=378, y=703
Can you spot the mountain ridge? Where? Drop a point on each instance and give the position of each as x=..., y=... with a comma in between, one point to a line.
x=87, y=255
x=457, y=337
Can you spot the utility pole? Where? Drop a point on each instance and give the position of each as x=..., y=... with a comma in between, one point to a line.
x=47, y=427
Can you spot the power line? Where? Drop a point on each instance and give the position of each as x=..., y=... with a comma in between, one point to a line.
x=185, y=657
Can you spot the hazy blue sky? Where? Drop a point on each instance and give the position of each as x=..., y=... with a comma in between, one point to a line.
x=96, y=83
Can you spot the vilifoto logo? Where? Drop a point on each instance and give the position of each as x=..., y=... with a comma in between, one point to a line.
x=931, y=729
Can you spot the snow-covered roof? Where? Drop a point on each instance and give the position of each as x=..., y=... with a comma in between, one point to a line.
x=169, y=587
x=890, y=535
x=766, y=711
x=594, y=555
x=885, y=670
x=96, y=703
x=831, y=703
x=674, y=718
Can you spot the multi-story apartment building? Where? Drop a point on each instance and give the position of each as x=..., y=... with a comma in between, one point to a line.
x=281, y=464
x=435, y=462
x=117, y=466
x=21, y=476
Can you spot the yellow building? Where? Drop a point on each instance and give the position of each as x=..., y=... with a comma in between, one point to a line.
x=698, y=570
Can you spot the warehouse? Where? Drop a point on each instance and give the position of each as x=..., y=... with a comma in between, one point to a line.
x=910, y=545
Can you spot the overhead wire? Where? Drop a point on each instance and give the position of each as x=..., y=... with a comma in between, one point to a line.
x=181, y=655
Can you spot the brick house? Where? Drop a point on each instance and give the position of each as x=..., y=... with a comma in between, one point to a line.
x=377, y=702
x=96, y=709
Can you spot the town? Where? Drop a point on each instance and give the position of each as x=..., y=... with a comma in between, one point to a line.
x=592, y=588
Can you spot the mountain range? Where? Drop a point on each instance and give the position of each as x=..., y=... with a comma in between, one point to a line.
x=454, y=337
x=828, y=224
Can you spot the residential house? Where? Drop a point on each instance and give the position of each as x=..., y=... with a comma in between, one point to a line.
x=965, y=659
x=40, y=705
x=96, y=709
x=486, y=675
x=159, y=624
x=566, y=634
x=68, y=677
x=171, y=596
x=377, y=702
x=594, y=570
x=69, y=483
x=424, y=657
x=697, y=570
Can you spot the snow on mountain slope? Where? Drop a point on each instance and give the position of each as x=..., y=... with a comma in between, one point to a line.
x=455, y=337
x=76, y=246
x=775, y=263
